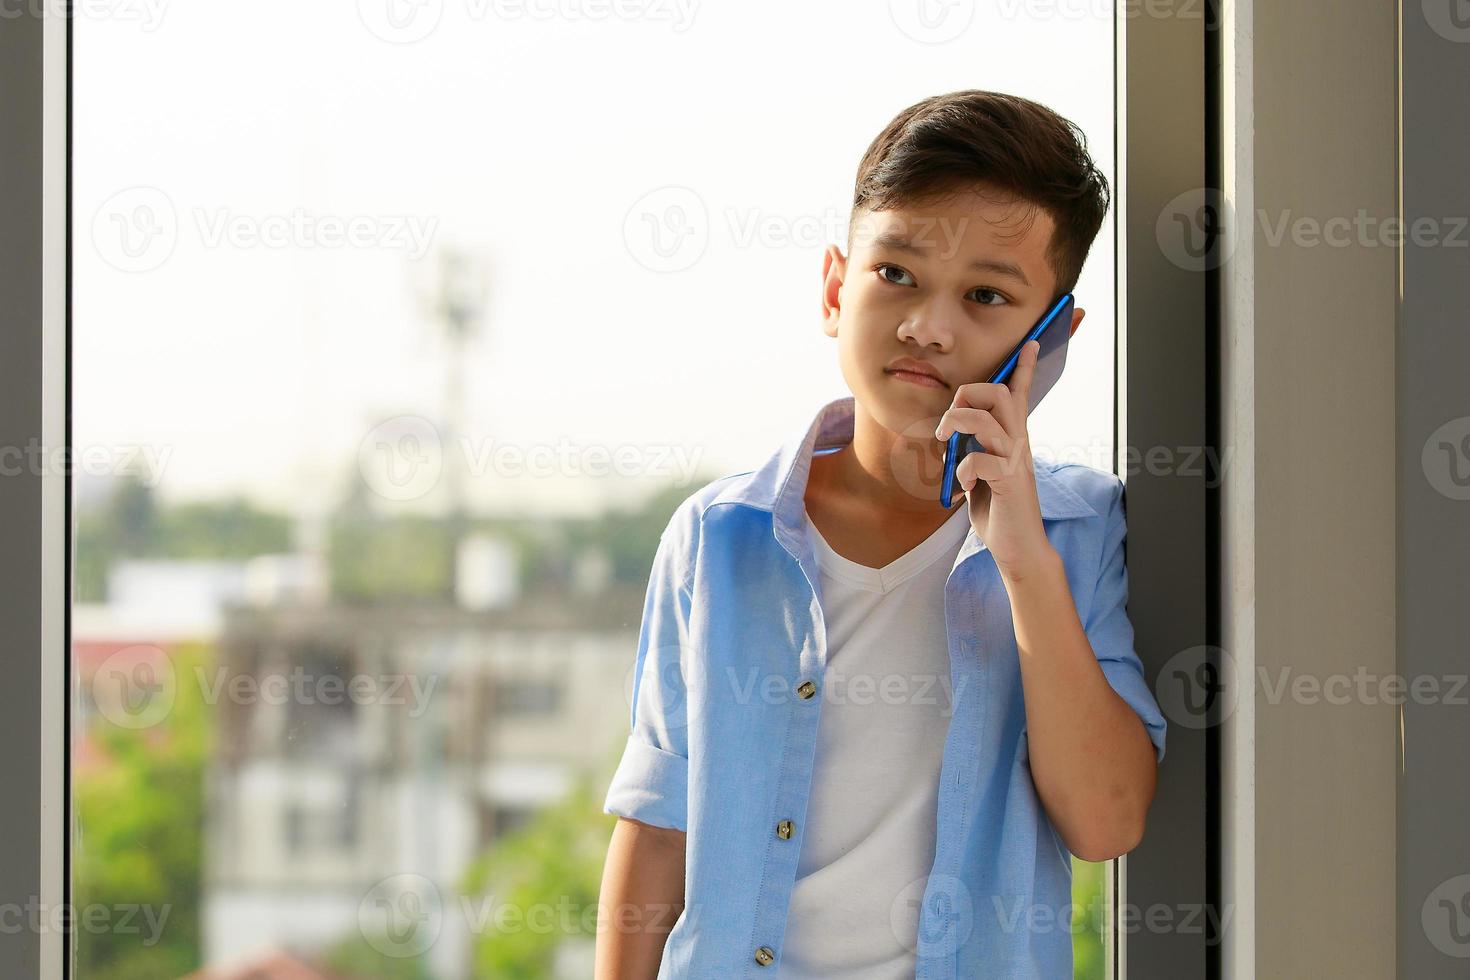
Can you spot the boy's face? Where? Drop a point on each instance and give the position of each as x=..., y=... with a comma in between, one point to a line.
x=954, y=284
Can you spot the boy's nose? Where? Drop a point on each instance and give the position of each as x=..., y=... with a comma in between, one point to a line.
x=933, y=323
x=926, y=329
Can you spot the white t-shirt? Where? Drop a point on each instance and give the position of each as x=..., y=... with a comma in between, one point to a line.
x=868, y=844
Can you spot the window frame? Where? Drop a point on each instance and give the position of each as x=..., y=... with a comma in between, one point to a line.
x=1157, y=59
x=35, y=502
x=1167, y=325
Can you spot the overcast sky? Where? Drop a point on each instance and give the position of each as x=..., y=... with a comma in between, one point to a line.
x=260, y=190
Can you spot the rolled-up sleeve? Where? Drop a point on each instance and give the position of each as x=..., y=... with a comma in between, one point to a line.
x=1111, y=633
x=651, y=783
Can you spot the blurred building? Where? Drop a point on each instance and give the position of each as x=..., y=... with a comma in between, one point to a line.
x=367, y=750
x=362, y=753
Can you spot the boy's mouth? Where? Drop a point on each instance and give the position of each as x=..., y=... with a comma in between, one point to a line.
x=913, y=377
x=916, y=372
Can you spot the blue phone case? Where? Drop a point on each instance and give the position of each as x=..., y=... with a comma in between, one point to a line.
x=1053, y=331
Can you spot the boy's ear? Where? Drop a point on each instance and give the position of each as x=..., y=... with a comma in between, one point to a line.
x=1077, y=314
x=834, y=271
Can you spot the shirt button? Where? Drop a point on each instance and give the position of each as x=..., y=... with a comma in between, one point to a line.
x=784, y=828
x=764, y=956
x=806, y=689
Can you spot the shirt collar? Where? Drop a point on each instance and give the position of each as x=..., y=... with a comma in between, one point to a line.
x=779, y=485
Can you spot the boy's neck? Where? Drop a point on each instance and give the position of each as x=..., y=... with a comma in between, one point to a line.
x=882, y=473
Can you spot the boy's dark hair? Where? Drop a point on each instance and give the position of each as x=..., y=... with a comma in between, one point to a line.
x=959, y=141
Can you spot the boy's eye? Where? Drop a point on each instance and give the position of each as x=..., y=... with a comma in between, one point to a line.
x=882, y=273
x=983, y=290
x=901, y=278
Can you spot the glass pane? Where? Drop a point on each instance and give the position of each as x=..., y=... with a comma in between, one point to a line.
x=400, y=329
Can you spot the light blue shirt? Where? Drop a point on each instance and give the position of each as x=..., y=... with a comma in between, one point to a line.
x=726, y=701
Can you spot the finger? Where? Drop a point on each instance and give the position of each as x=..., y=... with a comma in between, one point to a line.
x=997, y=399
x=978, y=466
x=1025, y=372
x=993, y=468
x=977, y=394
x=978, y=422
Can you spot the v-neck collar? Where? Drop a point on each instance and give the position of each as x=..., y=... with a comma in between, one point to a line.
x=948, y=535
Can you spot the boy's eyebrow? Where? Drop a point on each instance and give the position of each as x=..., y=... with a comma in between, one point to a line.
x=900, y=244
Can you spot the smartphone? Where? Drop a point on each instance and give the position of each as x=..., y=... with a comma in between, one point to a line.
x=1052, y=330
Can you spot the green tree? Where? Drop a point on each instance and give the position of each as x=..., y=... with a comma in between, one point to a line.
x=355, y=958
x=223, y=529
x=631, y=536
x=406, y=559
x=1088, y=879
x=139, y=814
x=131, y=524
x=549, y=869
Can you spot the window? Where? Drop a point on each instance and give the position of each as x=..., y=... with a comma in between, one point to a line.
x=527, y=698
x=362, y=324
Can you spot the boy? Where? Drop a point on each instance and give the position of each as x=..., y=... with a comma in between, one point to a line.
x=885, y=726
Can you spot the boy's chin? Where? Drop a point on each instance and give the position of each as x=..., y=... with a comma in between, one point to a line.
x=917, y=456
x=905, y=415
